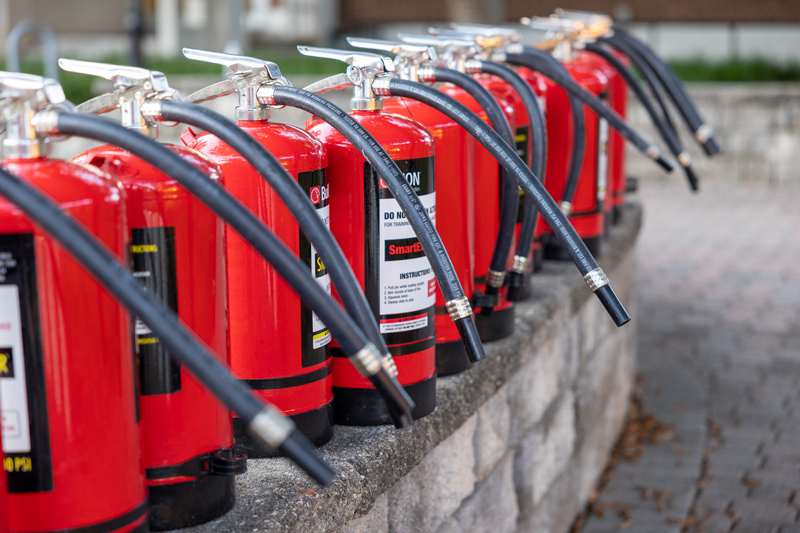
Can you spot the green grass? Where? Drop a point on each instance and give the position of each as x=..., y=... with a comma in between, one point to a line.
x=736, y=70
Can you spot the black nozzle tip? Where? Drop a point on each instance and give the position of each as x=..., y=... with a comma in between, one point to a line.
x=300, y=450
x=711, y=147
x=471, y=339
x=398, y=402
x=692, y=177
x=613, y=305
x=665, y=163
x=517, y=284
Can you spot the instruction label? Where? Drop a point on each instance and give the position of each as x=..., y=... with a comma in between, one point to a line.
x=521, y=139
x=23, y=402
x=315, y=334
x=153, y=263
x=400, y=283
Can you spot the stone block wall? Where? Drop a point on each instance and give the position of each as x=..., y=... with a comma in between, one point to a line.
x=515, y=444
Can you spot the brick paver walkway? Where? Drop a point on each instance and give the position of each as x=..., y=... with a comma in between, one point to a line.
x=719, y=353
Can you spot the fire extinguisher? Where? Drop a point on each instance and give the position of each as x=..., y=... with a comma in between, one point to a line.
x=328, y=255
x=496, y=194
x=176, y=249
x=277, y=345
x=389, y=85
x=264, y=421
x=63, y=342
x=491, y=38
x=393, y=178
x=384, y=250
x=529, y=138
x=587, y=208
x=453, y=168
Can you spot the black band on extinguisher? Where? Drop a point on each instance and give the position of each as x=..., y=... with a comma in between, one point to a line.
x=115, y=524
x=291, y=381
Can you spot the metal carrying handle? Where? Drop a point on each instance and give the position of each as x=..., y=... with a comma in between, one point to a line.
x=395, y=47
x=15, y=86
x=487, y=30
x=441, y=41
x=363, y=60
x=242, y=65
x=121, y=76
x=552, y=23
x=584, y=15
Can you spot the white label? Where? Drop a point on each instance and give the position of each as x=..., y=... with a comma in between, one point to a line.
x=602, y=158
x=13, y=390
x=321, y=334
x=407, y=283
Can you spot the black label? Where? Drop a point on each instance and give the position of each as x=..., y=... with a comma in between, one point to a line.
x=399, y=282
x=313, y=332
x=521, y=139
x=25, y=427
x=6, y=362
x=152, y=253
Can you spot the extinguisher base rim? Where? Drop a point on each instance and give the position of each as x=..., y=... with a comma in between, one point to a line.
x=316, y=425
x=451, y=358
x=498, y=325
x=365, y=407
x=190, y=503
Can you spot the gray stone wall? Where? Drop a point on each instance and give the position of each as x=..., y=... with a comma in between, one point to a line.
x=515, y=444
x=757, y=125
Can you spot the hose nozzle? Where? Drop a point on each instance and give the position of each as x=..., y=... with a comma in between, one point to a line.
x=598, y=282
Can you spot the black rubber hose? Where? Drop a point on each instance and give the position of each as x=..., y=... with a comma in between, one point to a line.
x=409, y=202
x=676, y=91
x=665, y=130
x=245, y=223
x=180, y=342
x=509, y=197
x=526, y=179
x=515, y=280
x=534, y=62
x=296, y=201
x=578, y=134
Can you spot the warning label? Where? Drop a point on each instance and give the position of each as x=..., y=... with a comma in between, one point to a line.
x=23, y=418
x=404, y=292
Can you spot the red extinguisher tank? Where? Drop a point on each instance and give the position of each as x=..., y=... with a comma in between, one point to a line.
x=456, y=217
x=618, y=99
x=176, y=249
x=539, y=85
x=387, y=260
x=488, y=184
x=606, y=155
x=278, y=346
x=70, y=419
x=588, y=206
